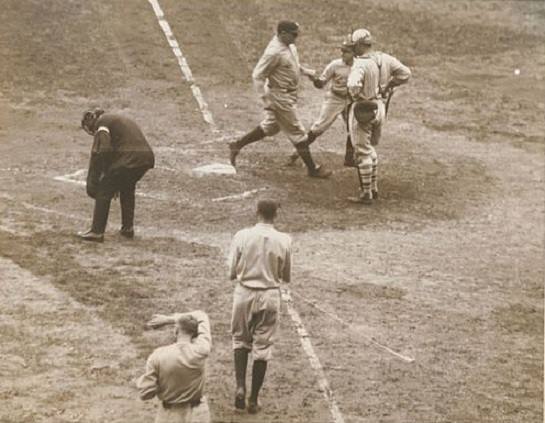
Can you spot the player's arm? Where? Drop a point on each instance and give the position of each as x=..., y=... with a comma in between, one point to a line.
x=100, y=159
x=266, y=64
x=202, y=344
x=325, y=77
x=286, y=271
x=400, y=74
x=147, y=383
x=234, y=257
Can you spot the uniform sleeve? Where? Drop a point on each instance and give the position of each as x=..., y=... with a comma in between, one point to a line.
x=328, y=72
x=147, y=383
x=202, y=344
x=266, y=64
x=234, y=256
x=399, y=73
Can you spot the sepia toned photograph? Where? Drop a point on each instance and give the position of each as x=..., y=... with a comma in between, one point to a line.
x=272, y=211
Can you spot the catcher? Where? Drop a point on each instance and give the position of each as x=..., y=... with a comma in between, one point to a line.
x=120, y=157
x=370, y=84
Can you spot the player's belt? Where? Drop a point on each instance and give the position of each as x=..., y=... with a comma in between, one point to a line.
x=193, y=403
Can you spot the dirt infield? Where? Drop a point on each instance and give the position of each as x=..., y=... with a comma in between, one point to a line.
x=446, y=268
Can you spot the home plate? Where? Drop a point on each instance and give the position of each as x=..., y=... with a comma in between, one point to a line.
x=214, y=169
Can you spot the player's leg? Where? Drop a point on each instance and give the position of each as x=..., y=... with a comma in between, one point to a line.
x=267, y=127
x=375, y=139
x=264, y=324
x=349, y=149
x=293, y=128
x=242, y=339
x=127, y=200
x=361, y=136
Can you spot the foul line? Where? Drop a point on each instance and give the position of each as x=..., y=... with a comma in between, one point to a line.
x=182, y=62
x=312, y=357
x=349, y=326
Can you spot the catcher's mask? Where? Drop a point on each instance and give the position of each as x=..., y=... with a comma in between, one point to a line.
x=89, y=119
x=365, y=111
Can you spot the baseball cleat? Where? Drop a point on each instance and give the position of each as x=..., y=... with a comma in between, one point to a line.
x=319, y=172
x=90, y=236
x=366, y=199
x=233, y=153
x=127, y=233
x=240, y=399
x=253, y=408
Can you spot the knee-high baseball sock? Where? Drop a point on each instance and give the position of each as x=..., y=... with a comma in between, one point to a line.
x=258, y=376
x=100, y=214
x=254, y=135
x=304, y=152
x=364, y=172
x=241, y=363
x=374, y=175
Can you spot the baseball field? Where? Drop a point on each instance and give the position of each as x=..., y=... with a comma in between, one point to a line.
x=426, y=307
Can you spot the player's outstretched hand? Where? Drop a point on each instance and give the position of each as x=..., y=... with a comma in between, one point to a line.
x=159, y=320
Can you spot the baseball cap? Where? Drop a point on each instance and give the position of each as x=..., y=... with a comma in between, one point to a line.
x=287, y=26
x=347, y=46
x=362, y=36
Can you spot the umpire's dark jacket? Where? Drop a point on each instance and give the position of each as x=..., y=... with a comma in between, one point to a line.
x=119, y=144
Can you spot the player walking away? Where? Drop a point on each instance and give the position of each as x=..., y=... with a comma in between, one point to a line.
x=276, y=80
x=120, y=156
x=336, y=100
x=373, y=76
x=175, y=373
x=260, y=260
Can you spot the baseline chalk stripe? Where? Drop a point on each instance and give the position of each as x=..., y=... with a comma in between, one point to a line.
x=349, y=326
x=182, y=62
x=240, y=196
x=312, y=357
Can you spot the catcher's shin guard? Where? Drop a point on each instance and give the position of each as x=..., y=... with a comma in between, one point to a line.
x=365, y=171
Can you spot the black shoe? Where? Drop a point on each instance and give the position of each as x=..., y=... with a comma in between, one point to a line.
x=366, y=199
x=253, y=407
x=91, y=236
x=319, y=172
x=233, y=153
x=127, y=233
x=374, y=194
x=240, y=399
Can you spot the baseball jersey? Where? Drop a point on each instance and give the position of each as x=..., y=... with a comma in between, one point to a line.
x=278, y=66
x=337, y=72
x=175, y=373
x=260, y=257
x=391, y=69
x=121, y=144
x=363, y=79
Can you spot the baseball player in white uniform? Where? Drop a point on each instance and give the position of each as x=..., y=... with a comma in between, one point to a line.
x=336, y=99
x=260, y=259
x=276, y=80
x=371, y=79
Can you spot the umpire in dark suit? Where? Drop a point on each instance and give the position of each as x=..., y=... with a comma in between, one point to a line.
x=120, y=157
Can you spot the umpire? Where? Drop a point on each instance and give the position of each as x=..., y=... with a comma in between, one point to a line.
x=120, y=157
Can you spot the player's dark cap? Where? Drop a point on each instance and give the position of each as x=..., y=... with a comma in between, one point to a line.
x=287, y=26
x=189, y=325
x=267, y=208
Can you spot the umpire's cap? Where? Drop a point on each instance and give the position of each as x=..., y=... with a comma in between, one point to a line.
x=287, y=26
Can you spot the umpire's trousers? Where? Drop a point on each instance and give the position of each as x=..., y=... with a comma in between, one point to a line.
x=122, y=181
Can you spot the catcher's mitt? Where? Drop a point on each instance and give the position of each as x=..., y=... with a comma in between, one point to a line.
x=365, y=111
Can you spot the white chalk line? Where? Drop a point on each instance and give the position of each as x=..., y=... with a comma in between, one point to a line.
x=182, y=62
x=240, y=196
x=360, y=334
x=312, y=357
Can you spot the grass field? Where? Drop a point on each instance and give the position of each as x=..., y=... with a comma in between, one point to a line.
x=447, y=267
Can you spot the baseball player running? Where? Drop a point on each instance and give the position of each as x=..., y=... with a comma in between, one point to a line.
x=120, y=157
x=336, y=99
x=371, y=79
x=260, y=259
x=276, y=80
